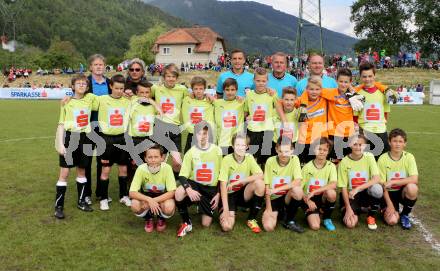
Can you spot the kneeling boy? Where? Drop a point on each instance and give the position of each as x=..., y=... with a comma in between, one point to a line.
x=398, y=169
x=241, y=183
x=152, y=190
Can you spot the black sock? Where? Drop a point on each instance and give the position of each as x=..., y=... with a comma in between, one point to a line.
x=104, y=189
x=61, y=192
x=257, y=202
x=122, y=186
x=81, y=191
x=374, y=206
x=148, y=215
x=292, y=209
x=408, y=204
x=182, y=206
x=328, y=209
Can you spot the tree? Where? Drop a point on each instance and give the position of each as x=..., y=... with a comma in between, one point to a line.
x=141, y=45
x=382, y=24
x=427, y=21
x=63, y=54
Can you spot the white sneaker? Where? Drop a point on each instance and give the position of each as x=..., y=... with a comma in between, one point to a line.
x=125, y=200
x=103, y=205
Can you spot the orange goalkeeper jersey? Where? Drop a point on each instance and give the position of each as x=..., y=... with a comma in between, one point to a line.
x=316, y=124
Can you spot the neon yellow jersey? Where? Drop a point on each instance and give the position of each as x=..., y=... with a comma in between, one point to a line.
x=231, y=171
x=194, y=111
x=75, y=115
x=170, y=101
x=112, y=115
x=261, y=109
x=291, y=130
x=314, y=178
x=276, y=175
x=352, y=174
x=140, y=119
x=160, y=182
x=395, y=170
x=229, y=119
x=372, y=117
x=202, y=166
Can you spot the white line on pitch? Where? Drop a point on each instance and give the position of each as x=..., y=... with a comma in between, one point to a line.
x=426, y=234
x=25, y=138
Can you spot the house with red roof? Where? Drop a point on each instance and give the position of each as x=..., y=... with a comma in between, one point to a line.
x=185, y=45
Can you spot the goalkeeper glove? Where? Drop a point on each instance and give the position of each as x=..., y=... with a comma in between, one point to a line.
x=302, y=116
x=392, y=96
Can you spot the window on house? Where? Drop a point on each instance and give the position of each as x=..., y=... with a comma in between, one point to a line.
x=166, y=50
x=189, y=50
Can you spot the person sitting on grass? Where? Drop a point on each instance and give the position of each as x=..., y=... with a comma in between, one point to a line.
x=359, y=181
x=73, y=126
x=152, y=190
x=319, y=184
x=398, y=170
x=241, y=184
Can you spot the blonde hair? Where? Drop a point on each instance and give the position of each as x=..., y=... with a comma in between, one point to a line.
x=314, y=80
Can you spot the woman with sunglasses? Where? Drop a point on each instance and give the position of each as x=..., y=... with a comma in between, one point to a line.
x=136, y=73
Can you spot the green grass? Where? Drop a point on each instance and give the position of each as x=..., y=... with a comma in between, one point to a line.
x=31, y=239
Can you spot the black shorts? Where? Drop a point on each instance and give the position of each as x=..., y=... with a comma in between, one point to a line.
x=112, y=153
x=317, y=199
x=151, y=194
x=302, y=150
x=75, y=157
x=361, y=200
x=237, y=199
x=396, y=198
x=207, y=192
x=167, y=135
x=377, y=136
x=278, y=204
x=260, y=145
x=339, y=150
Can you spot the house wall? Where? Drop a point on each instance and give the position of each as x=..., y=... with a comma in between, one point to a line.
x=178, y=54
x=217, y=51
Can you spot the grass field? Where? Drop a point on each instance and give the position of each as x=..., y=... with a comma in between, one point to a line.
x=31, y=238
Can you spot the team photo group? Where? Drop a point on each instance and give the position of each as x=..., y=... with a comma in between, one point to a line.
x=263, y=143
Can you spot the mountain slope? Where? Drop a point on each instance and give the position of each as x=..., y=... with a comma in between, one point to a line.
x=252, y=26
x=103, y=26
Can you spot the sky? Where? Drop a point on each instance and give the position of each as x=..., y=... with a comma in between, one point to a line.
x=335, y=13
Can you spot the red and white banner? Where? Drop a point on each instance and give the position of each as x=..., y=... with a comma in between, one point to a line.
x=35, y=93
